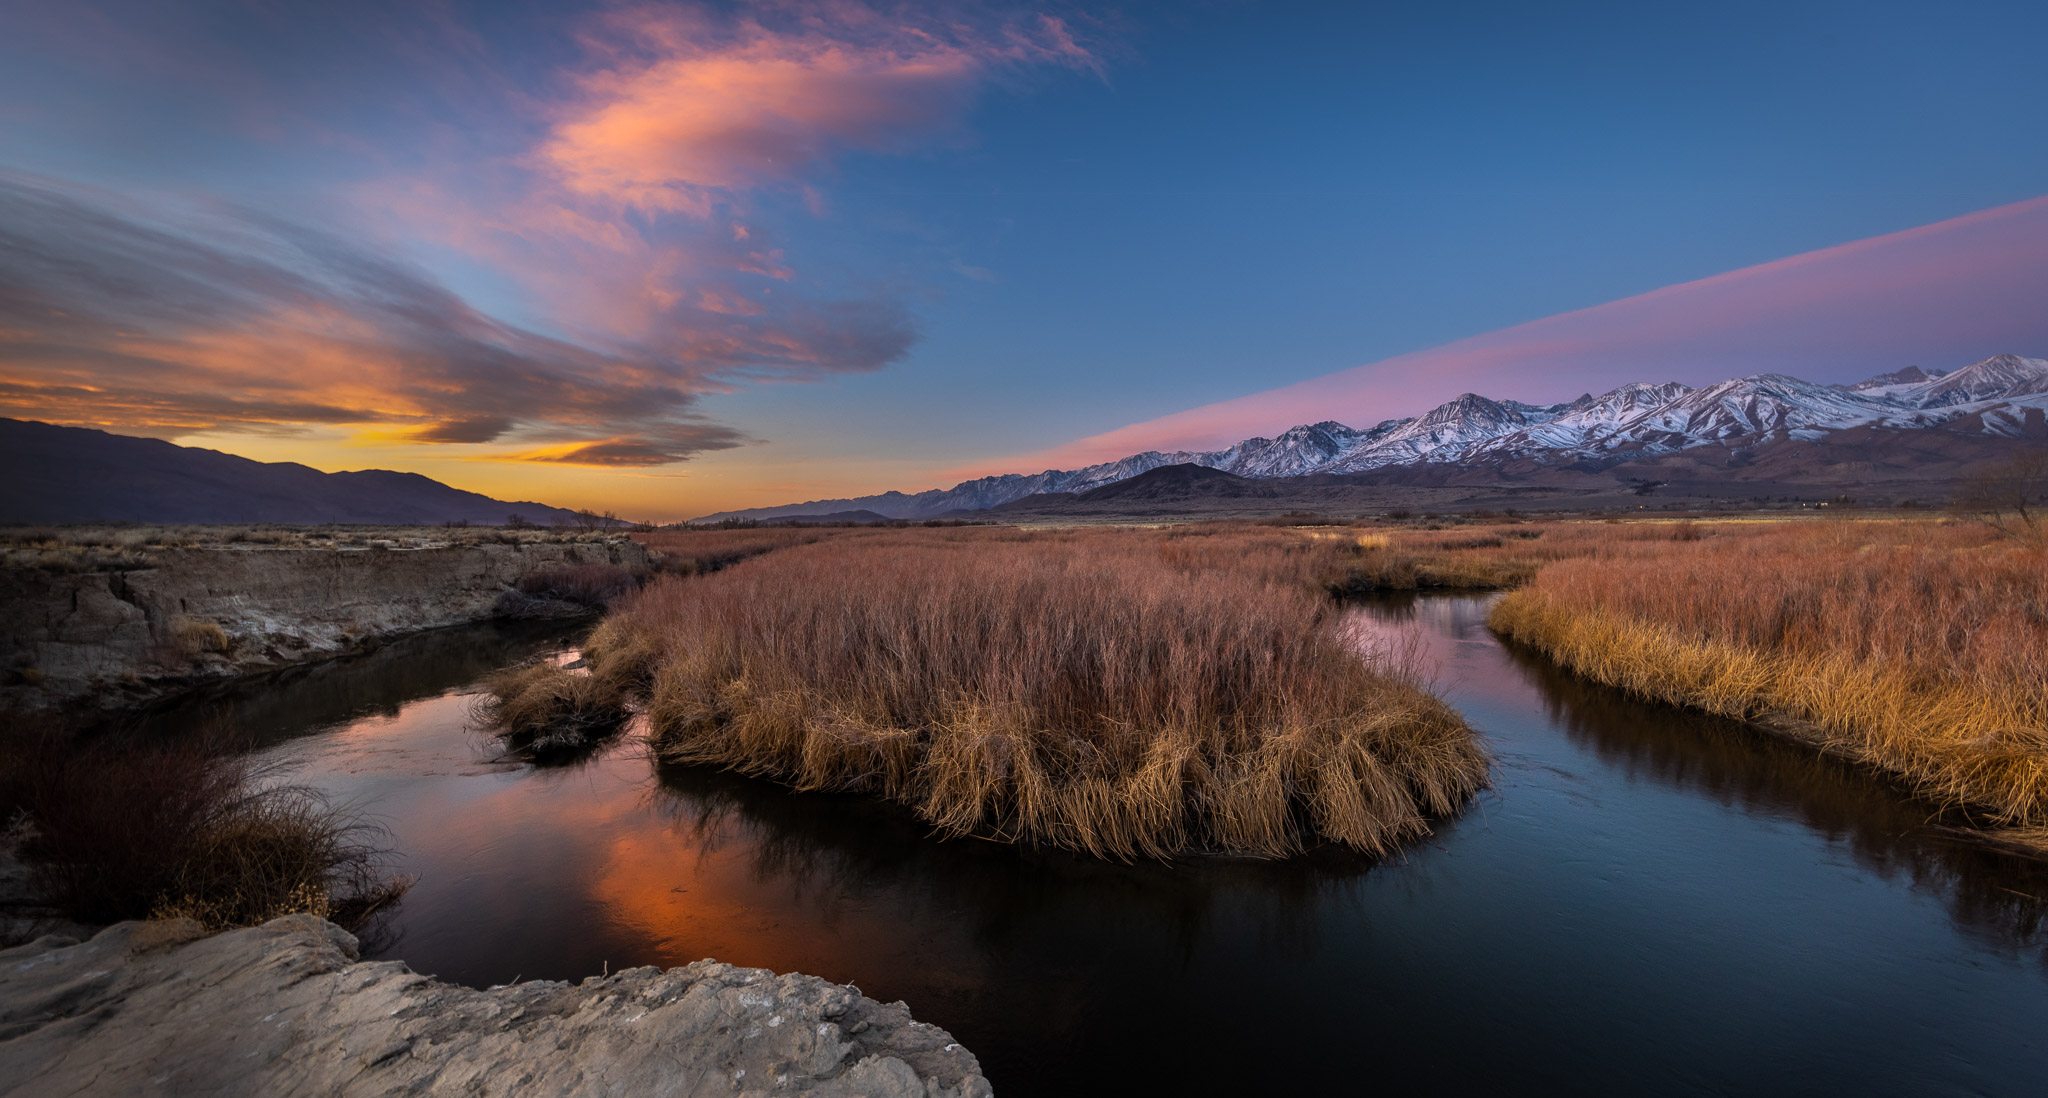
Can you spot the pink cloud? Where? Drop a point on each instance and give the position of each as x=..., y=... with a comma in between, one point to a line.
x=1941, y=295
x=621, y=215
x=684, y=105
x=633, y=222
x=189, y=319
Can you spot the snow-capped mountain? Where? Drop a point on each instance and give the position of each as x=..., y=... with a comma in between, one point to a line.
x=1997, y=378
x=1751, y=406
x=1447, y=429
x=1998, y=396
x=1311, y=446
x=1586, y=422
x=1911, y=375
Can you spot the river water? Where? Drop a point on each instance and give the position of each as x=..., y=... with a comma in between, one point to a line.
x=1648, y=903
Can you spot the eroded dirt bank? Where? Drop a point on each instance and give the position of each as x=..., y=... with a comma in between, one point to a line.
x=113, y=638
x=285, y=1008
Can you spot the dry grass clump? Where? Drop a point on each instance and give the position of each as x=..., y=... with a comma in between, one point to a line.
x=1918, y=647
x=272, y=852
x=193, y=637
x=1116, y=692
x=122, y=830
x=550, y=714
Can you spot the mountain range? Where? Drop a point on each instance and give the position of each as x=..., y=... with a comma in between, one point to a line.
x=76, y=474
x=1740, y=421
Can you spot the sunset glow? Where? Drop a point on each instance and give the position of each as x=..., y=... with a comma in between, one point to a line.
x=675, y=258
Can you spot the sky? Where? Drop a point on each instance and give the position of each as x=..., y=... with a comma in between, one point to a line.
x=668, y=259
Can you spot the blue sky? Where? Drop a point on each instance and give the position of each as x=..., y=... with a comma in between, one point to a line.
x=934, y=239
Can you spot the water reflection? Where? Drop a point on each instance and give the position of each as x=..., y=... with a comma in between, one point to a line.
x=838, y=853
x=1643, y=892
x=308, y=698
x=1992, y=895
x=1999, y=898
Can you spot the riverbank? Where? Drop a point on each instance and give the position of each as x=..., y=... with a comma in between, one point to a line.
x=157, y=1009
x=86, y=629
x=1919, y=650
x=1766, y=882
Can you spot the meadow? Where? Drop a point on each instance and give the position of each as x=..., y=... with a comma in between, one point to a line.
x=1128, y=691
x=1120, y=692
x=1132, y=692
x=1920, y=648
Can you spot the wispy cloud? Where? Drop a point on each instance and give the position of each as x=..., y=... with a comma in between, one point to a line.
x=621, y=199
x=638, y=216
x=196, y=319
x=684, y=104
x=1938, y=295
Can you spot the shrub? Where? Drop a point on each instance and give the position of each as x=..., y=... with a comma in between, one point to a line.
x=118, y=829
x=590, y=586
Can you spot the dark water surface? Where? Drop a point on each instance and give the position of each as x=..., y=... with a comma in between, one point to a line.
x=1648, y=903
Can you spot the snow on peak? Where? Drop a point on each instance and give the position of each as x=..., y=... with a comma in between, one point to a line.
x=1911, y=375
x=2000, y=377
x=1629, y=420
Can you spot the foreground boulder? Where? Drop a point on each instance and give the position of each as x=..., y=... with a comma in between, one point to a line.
x=286, y=1009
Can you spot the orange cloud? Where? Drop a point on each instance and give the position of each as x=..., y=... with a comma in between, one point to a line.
x=685, y=106
x=111, y=318
x=630, y=225
x=647, y=278
x=630, y=451
x=634, y=223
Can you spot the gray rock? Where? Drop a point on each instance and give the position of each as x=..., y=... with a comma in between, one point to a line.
x=112, y=638
x=285, y=1009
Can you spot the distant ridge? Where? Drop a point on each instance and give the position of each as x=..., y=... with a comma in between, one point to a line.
x=1175, y=483
x=1998, y=399
x=76, y=474
x=836, y=516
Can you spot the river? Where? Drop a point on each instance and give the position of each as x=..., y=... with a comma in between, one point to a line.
x=1648, y=902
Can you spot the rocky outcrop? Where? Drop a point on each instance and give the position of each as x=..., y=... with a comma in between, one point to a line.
x=118, y=637
x=285, y=1009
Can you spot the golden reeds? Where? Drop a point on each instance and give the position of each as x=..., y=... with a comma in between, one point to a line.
x=1124, y=693
x=1920, y=648
x=547, y=713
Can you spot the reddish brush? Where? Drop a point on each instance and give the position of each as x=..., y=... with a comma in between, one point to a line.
x=1120, y=692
